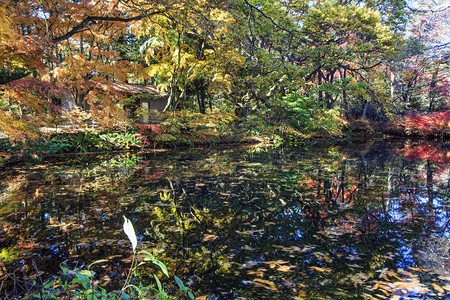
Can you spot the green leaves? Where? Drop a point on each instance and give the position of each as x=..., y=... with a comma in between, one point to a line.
x=150, y=257
x=183, y=288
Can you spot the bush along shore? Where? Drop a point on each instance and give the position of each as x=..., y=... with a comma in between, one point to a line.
x=187, y=129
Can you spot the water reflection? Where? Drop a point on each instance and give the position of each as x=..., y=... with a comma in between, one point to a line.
x=366, y=221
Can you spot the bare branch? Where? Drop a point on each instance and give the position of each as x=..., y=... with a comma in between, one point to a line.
x=93, y=19
x=270, y=19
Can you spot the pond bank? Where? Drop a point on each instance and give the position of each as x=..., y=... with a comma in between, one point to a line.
x=85, y=140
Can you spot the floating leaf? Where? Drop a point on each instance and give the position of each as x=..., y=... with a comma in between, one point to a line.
x=265, y=284
x=438, y=288
x=321, y=269
x=209, y=237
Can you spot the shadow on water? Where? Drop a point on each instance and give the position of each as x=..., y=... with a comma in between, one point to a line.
x=354, y=222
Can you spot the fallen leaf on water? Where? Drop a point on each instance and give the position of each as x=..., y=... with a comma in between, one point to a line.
x=393, y=274
x=285, y=268
x=267, y=284
x=438, y=288
x=258, y=273
x=416, y=269
x=321, y=269
x=209, y=237
x=275, y=263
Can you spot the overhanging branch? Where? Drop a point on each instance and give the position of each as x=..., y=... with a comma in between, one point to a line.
x=93, y=19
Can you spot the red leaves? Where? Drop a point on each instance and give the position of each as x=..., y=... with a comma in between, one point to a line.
x=426, y=151
x=149, y=128
x=437, y=123
x=147, y=132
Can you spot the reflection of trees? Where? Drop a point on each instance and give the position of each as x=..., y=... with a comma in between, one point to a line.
x=291, y=232
x=329, y=226
x=263, y=224
x=61, y=213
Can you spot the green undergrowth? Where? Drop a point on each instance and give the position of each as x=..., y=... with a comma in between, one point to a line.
x=191, y=128
x=78, y=142
x=275, y=125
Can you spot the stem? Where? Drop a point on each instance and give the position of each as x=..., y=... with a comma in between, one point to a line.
x=128, y=276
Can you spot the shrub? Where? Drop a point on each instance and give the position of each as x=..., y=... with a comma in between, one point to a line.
x=430, y=124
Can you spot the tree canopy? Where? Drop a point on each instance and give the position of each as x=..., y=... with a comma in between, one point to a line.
x=371, y=59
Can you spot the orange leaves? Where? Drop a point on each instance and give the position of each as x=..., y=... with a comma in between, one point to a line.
x=267, y=284
x=16, y=50
x=209, y=237
x=403, y=282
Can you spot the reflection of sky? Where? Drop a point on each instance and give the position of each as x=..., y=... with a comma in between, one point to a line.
x=407, y=259
x=441, y=216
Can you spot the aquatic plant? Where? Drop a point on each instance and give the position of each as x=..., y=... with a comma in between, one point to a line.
x=81, y=283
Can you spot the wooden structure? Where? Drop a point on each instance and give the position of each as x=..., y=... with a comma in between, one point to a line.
x=147, y=97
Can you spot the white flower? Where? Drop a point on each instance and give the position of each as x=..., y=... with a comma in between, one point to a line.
x=129, y=231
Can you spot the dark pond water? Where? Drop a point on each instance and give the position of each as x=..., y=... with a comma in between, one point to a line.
x=359, y=221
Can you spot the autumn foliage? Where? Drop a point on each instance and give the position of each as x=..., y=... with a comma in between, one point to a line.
x=426, y=152
x=431, y=124
x=299, y=65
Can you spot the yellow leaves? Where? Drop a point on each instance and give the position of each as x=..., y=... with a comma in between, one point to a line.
x=14, y=129
x=258, y=273
x=220, y=83
x=221, y=16
x=402, y=282
x=267, y=284
x=5, y=30
x=438, y=288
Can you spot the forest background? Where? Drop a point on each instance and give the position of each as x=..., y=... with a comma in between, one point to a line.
x=228, y=71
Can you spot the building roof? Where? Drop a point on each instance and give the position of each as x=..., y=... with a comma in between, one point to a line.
x=134, y=88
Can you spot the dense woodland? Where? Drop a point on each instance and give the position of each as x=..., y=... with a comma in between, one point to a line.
x=75, y=75
x=301, y=68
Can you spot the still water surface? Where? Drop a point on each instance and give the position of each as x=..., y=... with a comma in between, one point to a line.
x=319, y=222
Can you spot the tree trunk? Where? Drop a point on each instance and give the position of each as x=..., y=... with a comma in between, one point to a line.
x=319, y=74
x=432, y=92
x=364, y=113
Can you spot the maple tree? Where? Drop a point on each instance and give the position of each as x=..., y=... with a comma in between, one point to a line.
x=21, y=56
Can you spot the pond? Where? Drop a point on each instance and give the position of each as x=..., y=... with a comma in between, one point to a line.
x=360, y=221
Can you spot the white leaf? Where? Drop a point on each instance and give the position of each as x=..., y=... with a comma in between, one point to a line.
x=129, y=231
